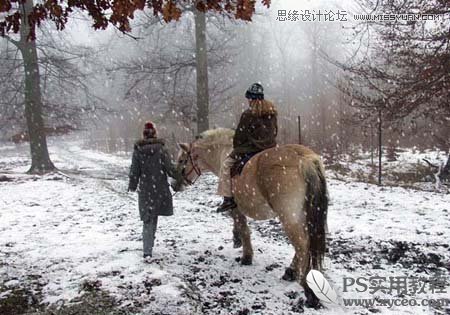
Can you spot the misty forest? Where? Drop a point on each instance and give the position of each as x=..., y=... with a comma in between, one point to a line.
x=224, y=157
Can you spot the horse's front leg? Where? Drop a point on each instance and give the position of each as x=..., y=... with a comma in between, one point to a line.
x=242, y=230
x=237, y=241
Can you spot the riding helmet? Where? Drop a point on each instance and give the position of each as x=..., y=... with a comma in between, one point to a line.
x=255, y=92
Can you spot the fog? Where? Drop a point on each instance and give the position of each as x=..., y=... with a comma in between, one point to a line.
x=282, y=55
x=119, y=80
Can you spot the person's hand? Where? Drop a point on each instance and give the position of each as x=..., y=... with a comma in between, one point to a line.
x=174, y=184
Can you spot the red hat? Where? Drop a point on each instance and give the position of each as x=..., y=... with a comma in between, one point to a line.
x=149, y=130
x=149, y=125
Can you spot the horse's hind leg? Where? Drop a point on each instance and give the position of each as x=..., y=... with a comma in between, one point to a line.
x=299, y=239
x=290, y=274
x=242, y=230
x=294, y=224
x=300, y=265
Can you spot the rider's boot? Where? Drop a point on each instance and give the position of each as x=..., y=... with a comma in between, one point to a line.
x=227, y=204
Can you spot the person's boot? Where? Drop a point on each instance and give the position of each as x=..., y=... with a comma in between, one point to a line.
x=227, y=204
x=148, y=258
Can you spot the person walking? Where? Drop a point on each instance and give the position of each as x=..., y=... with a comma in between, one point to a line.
x=150, y=166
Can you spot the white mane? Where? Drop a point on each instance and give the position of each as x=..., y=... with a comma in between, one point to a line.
x=217, y=136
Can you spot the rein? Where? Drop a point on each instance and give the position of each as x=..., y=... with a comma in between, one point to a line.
x=195, y=169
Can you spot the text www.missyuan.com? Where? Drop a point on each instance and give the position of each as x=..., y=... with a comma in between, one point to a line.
x=367, y=303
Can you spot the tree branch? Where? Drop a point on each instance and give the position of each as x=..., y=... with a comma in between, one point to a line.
x=13, y=41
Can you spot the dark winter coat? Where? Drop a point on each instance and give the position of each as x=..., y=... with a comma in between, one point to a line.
x=149, y=169
x=257, y=130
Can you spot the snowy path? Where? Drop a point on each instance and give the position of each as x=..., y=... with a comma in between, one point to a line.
x=58, y=232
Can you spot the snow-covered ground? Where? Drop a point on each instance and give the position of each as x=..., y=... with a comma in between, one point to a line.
x=408, y=169
x=64, y=234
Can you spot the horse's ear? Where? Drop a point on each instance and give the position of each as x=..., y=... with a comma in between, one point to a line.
x=184, y=146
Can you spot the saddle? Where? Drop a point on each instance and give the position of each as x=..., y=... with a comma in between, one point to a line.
x=241, y=160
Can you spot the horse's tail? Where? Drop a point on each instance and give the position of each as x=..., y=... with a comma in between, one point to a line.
x=316, y=207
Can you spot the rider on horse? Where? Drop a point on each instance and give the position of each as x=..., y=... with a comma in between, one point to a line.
x=256, y=131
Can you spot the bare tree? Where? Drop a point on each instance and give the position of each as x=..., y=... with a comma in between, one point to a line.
x=201, y=71
x=404, y=76
x=45, y=88
x=162, y=80
x=40, y=159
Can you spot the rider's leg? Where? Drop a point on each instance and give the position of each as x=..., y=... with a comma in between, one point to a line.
x=224, y=188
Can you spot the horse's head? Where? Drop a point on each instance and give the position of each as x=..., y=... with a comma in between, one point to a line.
x=203, y=155
x=188, y=164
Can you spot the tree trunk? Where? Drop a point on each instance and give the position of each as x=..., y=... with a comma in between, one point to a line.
x=445, y=172
x=380, y=146
x=202, y=72
x=391, y=153
x=371, y=147
x=40, y=159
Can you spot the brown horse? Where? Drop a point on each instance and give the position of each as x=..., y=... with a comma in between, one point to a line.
x=287, y=182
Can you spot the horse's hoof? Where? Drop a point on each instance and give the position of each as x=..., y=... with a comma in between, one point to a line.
x=237, y=243
x=315, y=304
x=246, y=260
x=289, y=274
x=299, y=307
x=311, y=300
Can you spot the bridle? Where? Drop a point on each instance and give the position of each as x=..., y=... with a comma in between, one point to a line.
x=195, y=168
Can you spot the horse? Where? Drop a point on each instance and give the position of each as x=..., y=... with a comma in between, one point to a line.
x=287, y=181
